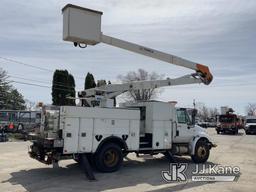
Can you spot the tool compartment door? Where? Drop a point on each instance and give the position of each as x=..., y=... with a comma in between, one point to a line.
x=85, y=135
x=70, y=135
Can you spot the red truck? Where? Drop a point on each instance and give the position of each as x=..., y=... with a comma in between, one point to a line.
x=229, y=123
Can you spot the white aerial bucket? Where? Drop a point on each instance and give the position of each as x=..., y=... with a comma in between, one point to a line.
x=81, y=25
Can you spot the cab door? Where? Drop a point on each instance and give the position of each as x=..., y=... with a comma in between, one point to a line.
x=185, y=129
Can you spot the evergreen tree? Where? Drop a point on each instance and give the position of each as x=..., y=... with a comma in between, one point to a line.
x=10, y=98
x=16, y=100
x=72, y=85
x=4, y=87
x=89, y=81
x=63, y=87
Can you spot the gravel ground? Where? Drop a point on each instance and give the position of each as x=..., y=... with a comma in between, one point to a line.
x=18, y=172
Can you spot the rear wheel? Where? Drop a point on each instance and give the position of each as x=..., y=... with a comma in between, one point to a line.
x=109, y=158
x=202, y=152
x=218, y=132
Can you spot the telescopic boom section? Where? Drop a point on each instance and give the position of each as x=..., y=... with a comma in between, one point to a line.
x=202, y=70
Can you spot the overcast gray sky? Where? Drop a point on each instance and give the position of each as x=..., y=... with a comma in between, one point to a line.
x=217, y=33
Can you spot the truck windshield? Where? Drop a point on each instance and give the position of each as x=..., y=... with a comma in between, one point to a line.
x=250, y=120
x=227, y=119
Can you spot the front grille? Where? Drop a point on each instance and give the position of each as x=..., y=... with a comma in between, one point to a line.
x=253, y=127
x=226, y=126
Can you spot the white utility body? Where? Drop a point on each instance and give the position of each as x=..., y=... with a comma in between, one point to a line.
x=103, y=133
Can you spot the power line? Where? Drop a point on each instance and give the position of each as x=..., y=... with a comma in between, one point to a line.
x=25, y=64
x=39, y=81
x=30, y=65
x=55, y=83
x=43, y=86
x=60, y=84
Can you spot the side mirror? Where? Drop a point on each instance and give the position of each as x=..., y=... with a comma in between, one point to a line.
x=194, y=113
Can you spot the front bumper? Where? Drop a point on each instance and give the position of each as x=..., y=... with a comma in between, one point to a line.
x=251, y=129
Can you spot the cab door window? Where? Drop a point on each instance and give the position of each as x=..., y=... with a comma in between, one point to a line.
x=183, y=117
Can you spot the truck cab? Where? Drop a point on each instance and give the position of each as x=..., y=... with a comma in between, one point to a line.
x=228, y=123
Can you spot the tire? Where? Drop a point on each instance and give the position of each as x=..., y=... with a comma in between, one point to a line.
x=218, y=132
x=202, y=152
x=109, y=158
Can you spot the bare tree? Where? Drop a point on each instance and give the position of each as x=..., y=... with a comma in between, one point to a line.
x=213, y=112
x=206, y=113
x=251, y=109
x=101, y=82
x=30, y=105
x=141, y=75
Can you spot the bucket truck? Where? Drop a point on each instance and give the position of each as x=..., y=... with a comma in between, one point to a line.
x=102, y=133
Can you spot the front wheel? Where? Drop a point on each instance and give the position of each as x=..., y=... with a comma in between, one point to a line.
x=109, y=158
x=202, y=152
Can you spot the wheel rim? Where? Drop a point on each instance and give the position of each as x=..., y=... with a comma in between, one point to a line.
x=110, y=158
x=201, y=152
